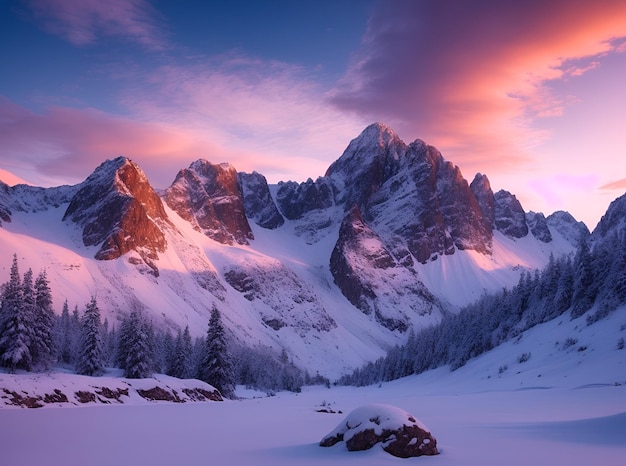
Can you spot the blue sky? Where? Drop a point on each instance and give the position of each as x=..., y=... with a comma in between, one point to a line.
x=529, y=93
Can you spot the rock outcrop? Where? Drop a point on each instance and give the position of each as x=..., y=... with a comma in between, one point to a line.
x=568, y=227
x=297, y=199
x=614, y=220
x=364, y=269
x=257, y=201
x=538, y=226
x=118, y=209
x=510, y=218
x=208, y=196
x=398, y=432
x=412, y=193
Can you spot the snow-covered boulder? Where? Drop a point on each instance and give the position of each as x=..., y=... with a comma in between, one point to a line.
x=400, y=433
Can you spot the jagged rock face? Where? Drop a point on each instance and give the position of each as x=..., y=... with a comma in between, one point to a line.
x=568, y=227
x=117, y=208
x=614, y=220
x=410, y=193
x=5, y=212
x=510, y=216
x=258, y=202
x=371, y=279
x=481, y=188
x=280, y=296
x=539, y=226
x=25, y=198
x=368, y=161
x=297, y=199
x=208, y=196
x=357, y=242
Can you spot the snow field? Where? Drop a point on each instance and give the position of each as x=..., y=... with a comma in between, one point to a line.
x=513, y=427
x=574, y=414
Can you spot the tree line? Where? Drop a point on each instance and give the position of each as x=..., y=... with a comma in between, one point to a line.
x=33, y=338
x=592, y=282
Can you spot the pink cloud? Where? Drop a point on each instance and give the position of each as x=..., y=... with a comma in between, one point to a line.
x=67, y=144
x=261, y=116
x=473, y=77
x=271, y=111
x=82, y=22
x=618, y=185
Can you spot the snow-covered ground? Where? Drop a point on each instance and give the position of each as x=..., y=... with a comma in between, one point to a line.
x=564, y=405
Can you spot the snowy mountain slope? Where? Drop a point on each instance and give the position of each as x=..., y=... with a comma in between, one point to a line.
x=264, y=255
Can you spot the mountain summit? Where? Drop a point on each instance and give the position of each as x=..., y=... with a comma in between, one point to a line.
x=119, y=211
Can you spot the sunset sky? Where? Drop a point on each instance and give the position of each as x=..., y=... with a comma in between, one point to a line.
x=531, y=93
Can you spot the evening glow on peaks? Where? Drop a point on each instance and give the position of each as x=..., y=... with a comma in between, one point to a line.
x=529, y=93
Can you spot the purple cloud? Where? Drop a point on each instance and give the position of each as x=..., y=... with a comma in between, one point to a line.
x=472, y=77
x=82, y=22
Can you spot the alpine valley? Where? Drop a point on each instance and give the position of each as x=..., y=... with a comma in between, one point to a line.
x=335, y=271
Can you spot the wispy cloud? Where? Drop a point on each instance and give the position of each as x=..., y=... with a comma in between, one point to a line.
x=618, y=185
x=85, y=22
x=272, y=111
x=474, y=77
x=257, y=115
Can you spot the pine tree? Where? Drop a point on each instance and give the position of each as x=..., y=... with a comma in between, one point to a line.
x=615, y=285
x=44, y=351
x=64, y=338
x=15, y=323
x=181, y=360
x=565, y=288
x=585, y=288
x=216, y=367
x=90, y=361
x=136, y=346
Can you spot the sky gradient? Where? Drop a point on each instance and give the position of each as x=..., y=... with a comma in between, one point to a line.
x=529, y=93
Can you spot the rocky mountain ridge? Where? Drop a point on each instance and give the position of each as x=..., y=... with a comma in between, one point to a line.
x=384, y=242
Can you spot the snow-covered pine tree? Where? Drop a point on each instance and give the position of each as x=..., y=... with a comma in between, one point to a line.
x=43, y=348
x=15, y=323
x=90, y=361
x=585, y=287
x=63, y=334
x=181, y=361
x=565, y=287
x=135, y=346
x=216, y=367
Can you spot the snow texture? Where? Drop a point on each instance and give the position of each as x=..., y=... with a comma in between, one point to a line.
x=563, y=406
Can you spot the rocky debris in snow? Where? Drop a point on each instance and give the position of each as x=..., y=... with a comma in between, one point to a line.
x=398, y=432
x=37, y=390
x=160, y=394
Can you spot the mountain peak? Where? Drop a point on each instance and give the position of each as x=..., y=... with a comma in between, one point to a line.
x=117, y=208
x=209, y=197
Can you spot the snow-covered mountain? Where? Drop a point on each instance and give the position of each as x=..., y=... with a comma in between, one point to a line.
x=335, y=271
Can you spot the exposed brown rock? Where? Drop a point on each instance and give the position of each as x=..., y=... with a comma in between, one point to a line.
x=399, y=433
x=85, y=397
x=119, y=210
x=160, y=394
x=208, y=196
